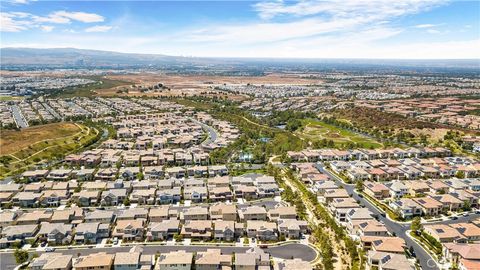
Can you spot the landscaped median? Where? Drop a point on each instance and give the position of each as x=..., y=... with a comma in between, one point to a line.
x=329, y=231
x=382, y=207
x=432, y=246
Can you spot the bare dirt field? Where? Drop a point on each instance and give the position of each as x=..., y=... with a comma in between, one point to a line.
x=196, y=84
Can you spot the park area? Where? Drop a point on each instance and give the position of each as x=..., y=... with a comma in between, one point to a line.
x=316, y=130
x=21, y=149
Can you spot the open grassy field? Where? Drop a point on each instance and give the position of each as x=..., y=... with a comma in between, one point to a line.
x=10, y=98
x=316, y=130
x=14, y=141
x=92, y=89
x=21, y=149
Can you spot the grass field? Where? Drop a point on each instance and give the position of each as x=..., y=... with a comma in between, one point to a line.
x=10, y=98
x=90, y=89
x=20, y=150
x=13, y=141
x=316, y=130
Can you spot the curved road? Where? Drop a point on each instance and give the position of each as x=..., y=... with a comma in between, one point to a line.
x=212, y=133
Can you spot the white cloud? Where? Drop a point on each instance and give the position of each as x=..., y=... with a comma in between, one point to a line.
x=20, y=2
x=433, y=31
x=98, y=28
x=427, y=25
x=308, y=19
x=268, y=32
x=9, y=24
x=46, y=28
x=79, y=16
x=343, y=8
x=19, y=21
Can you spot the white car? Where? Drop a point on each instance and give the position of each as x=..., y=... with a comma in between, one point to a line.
x=49, y=249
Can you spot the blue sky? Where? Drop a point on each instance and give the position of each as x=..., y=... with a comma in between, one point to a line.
x=270, y=28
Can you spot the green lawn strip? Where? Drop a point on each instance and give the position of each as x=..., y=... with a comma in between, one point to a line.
x=323, y=214
x=427, y=245
x=385, y=208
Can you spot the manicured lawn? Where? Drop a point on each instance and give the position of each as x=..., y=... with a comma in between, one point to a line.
x=315, y=130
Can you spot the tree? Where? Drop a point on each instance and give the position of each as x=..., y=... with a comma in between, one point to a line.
x=359, y=185
x=466, y=206
x=416, y=225
x=126, y=201
x=460, y=174
x=20, y=255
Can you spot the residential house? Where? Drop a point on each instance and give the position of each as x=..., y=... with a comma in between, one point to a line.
x=262, y=230
x=224, y=230
x=160, y=231
x=129, y=230
x=87, y=233
x=197, y=229
x=282, y=212
x=292, y=228
x=406, y=207
x=52, y=261
x=223, y=211
x=252, y=213
x=94, y=261
x=212, y=259
x=376, y=190
x=429, y=206
x=127, y=261
x=443, y=233
x=55, y=233
x=175, y=260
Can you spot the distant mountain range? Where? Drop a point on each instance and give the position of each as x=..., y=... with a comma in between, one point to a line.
x=71, y=57
x=74, y=57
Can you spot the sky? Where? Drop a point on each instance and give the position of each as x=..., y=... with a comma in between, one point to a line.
x=393, y=29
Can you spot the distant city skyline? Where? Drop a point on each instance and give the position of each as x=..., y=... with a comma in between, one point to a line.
x=411, y=29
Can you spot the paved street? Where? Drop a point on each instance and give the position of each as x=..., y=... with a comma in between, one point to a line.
x=18, y=116
x=51, y=110
x=212, y=133
x=304, y=252
x=425, y=259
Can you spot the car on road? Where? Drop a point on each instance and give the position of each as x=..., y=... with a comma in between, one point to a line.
x=49, y=249
x=454, y=218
